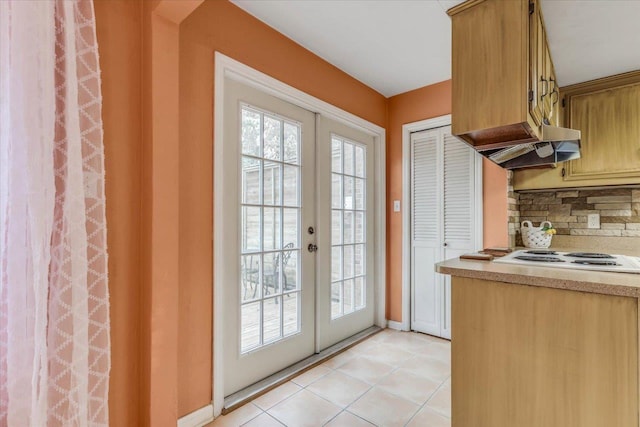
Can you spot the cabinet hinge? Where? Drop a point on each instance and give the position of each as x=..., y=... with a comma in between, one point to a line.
x=530, y=96
x=563, y=103
x=532, y=8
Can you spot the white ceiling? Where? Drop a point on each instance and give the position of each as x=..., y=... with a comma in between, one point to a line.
x=395, y=46
x=590, y=39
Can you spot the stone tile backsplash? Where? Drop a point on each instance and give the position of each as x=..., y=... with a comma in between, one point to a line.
x=567, y=210
x=513, y=212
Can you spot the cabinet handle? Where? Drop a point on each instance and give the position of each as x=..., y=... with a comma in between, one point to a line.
x=546, y=87
x=555, y=92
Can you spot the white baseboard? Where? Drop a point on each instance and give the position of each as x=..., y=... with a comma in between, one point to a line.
x=398, y=326
x=197, y=418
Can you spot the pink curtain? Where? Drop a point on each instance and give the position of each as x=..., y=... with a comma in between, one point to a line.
x=54, y=302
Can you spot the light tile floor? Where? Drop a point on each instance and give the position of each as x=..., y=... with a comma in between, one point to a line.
x=391, y=379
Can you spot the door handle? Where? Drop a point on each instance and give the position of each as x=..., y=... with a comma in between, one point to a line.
x=312, y=248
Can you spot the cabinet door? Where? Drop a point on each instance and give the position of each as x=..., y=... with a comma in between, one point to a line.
x=552, y=104
x=554, y=114
x=536, y=64
x=610, y=124
x=548, y=85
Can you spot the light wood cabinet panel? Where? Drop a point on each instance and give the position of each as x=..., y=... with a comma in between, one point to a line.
x=537, y=69
x=607, y=112
x=546, y=95
x=610, y=123
x=531, y=356
x=501, y=70
x=552, y=99
x=490, y=72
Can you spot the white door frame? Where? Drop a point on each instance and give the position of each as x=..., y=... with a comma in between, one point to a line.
x=230, y=68
x=407, y=130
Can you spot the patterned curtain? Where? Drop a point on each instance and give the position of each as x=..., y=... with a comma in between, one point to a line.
x=54, y=302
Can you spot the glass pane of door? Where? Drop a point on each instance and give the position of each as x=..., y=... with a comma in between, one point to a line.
x=270, y=268
x=348, y=227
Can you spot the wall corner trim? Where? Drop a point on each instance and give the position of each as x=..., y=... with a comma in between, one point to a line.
x=176, y=12
x=198, y=418
x=398, y=326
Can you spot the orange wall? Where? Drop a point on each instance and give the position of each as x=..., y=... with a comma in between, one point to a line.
x=118, y=24
x=158, y=121
x=221, y=26
x=494, y=196
x=424, y=103
x=420, y=104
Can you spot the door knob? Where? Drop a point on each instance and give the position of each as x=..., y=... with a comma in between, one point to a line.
x=312, y=247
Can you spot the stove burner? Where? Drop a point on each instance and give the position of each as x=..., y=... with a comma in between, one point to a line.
x=541, y=252
x=539, y=258
x=595, y=262
x=589, y=255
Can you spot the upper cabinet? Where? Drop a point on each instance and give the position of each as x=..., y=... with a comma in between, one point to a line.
x=503, y=80
x=607, y=112
x=537, y=69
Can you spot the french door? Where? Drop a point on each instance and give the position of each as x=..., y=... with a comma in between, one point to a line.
x=345, y=294
x=299, y=247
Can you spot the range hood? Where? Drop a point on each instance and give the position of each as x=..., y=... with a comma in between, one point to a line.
x=556, y=145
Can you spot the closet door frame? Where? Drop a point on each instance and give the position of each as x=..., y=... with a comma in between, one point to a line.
x=407, y=130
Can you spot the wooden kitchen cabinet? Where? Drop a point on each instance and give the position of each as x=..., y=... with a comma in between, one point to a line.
x=607, y=112
x=531, y=356
x=552, y=99
x=537, y=65
x=501, y=71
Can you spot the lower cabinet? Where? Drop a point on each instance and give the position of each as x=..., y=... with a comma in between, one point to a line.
x=530, y=356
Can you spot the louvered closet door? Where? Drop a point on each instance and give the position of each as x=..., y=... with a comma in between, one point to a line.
x=443, y=209
x=426, y=231
x=459, y=212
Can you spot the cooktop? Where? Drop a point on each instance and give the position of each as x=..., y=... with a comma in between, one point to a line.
x=573, y=260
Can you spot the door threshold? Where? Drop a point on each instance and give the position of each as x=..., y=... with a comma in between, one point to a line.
x=247, y=394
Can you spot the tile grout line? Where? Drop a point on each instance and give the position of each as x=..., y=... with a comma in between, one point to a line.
x=395, y=369
x=310, y=391
x=342, y=409
x=370, y=386
x=427, y=401
x=283, y=400
x=253, y=418
x=279, y=402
